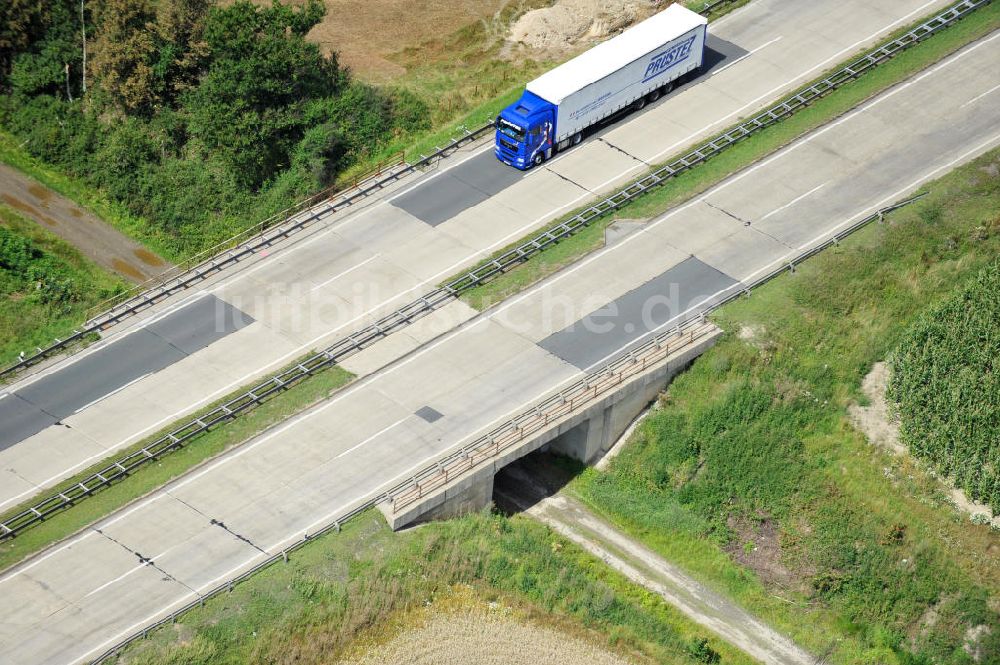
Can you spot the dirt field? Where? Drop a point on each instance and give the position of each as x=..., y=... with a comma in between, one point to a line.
x=95, y=239
x=486, y=635
x=365, y=32
x=368, y=33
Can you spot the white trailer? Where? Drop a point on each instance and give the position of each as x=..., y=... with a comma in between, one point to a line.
x=637, y=65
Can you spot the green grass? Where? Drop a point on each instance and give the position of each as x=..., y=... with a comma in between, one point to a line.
x=156, y=474
x=29, y=317
x=756, y=433
x=693, y=182
x=344, y=585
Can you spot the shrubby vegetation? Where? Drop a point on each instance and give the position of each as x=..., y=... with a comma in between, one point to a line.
x=45, y=285
x=199, y=118
x=946, y=385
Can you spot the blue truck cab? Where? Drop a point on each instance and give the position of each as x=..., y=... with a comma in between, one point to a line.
x=525, y=131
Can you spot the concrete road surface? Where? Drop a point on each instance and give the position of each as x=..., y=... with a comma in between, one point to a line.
x=88, y=592
x=366, y=264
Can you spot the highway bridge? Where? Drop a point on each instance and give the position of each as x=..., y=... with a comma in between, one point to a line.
x=455, y=373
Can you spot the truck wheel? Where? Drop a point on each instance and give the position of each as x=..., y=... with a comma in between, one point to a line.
x=640, y=103
x=577, y=138
x=538, y=159
x=653, y=96
x=667, y=88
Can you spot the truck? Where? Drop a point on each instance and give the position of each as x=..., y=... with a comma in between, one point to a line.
x=623, y=73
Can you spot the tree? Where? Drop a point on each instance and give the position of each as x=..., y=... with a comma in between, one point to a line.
x=41, y=67
x=123, y=54
x=182, y=49
x=21, y=23
x=249, y=106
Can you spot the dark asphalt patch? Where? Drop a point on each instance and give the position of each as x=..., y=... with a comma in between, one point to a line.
x=622, y=322
x=458, y=189
x=147, y=350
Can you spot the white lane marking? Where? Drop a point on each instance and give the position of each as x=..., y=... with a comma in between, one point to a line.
x=105, y=343
x=113, y=392
x=117, y=579
x=794, y=201
x=978, y=97
x=371, y=312
x=659, y=154
x=4, y=396
x=745, y=56
x=784, y=258
x=342, y=273
x=326, y=519
x=373, y=437
x=513, y=301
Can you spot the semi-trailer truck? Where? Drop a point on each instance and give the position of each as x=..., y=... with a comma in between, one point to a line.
x=624, y=72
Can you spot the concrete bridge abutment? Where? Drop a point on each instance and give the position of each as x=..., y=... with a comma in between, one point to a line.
x=585, y=434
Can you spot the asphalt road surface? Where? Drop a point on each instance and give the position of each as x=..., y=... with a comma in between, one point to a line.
x=88, y=592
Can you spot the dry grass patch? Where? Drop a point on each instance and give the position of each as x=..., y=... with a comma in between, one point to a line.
x=462, y=628
x=366, y=33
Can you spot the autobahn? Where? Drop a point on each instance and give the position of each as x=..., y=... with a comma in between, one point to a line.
x=463, y=371
x=195, y=348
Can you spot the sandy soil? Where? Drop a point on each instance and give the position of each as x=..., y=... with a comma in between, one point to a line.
x=366, y=33
x=874, y=420
x=877, y=424
x=486, y=635
x=568, y=23
x=97, y=240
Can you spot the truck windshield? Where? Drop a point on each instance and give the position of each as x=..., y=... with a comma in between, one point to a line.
x=510, y=129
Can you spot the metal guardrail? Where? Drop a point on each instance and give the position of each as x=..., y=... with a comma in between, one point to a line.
x=546, y=413
x=686, y=331
x=949, y=16
x=207, y=263
x=221, y=255
x=425, y=304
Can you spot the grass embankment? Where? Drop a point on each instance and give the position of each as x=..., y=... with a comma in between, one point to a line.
x=46, y=285
x=741, y=155
x=752, y=459
x=156, y=474
x=356, y=582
